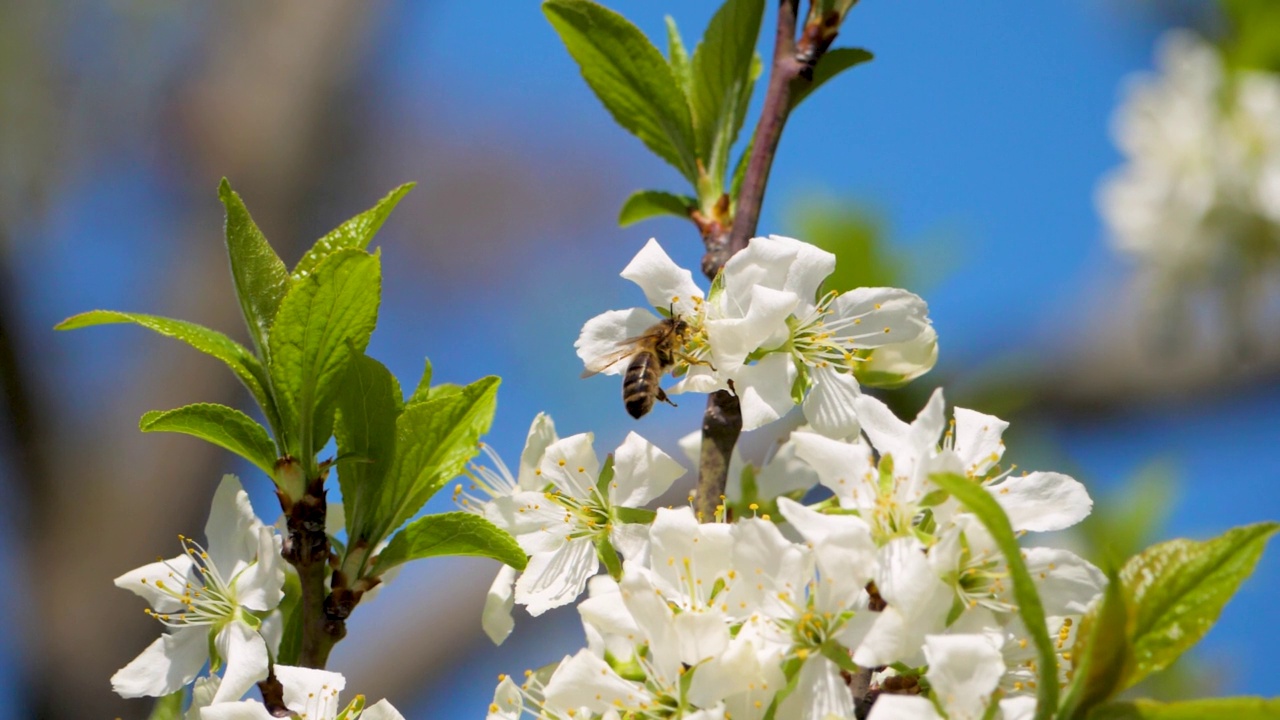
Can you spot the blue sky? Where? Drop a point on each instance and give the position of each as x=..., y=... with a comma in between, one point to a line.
x=986, y=122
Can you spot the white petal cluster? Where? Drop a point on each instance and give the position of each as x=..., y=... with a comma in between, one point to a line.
x=217, y=601
x=1198, y=199
x=767, y=332
x=565, y=509
x=310, y=694
x=775, y=615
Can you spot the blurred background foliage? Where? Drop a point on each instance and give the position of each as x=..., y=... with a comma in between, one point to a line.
x=961, y=164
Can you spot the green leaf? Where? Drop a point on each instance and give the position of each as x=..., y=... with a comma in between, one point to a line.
x=678, y=57
x=354, y=233
x=260, y=277
x=740, y=172
x=978, y=501
x=722, y=76
x=644, y=204
x=1099, y=653
x=630, y=77
x=423, y=391
x=1177, y=590
x=368, y=404
x=1235, y=708
x=832, y=63
x=451, y=533
x=168, y=707
x=225, y=427
x=434, y=441
x=211, y=342
x=326, y=317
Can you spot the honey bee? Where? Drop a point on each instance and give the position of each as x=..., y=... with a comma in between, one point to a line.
x=652, y=354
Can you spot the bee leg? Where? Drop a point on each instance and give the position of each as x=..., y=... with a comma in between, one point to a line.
x=662, y=395
x=695, y=361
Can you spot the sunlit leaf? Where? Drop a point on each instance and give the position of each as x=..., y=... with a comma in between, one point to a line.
x=451, y=533
x=630, y=77
x=354, y=233
x=645, y=204
x=1235, y=708
x=368, y=404
x=1177, y=590
x=261, y=279
x=434, y=440
x=326, y=317
x=722, y=76
x=832, y=63
x=237, y=357
x=225, y=427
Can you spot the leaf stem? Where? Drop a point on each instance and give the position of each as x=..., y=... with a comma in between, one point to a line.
x=792, y=64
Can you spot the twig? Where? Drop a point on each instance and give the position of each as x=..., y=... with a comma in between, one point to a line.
x=307, y=549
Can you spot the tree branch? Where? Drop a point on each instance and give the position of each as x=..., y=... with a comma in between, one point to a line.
x=792, y=64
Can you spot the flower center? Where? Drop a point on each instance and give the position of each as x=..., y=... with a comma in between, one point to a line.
x=209, y=601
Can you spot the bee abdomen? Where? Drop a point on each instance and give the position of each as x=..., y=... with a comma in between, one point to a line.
x=640, y=384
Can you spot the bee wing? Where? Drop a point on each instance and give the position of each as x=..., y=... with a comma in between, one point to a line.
x=626, y=349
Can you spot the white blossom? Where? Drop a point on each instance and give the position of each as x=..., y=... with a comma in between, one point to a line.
x=308, y=693
x=213, y=600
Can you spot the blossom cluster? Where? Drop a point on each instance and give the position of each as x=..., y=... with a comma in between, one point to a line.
x=709, y=620
x=1198, y=200
x=220, y=605
x=765, y=332
x=839, y=561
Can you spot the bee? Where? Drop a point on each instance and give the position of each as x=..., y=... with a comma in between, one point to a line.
x=652, y=354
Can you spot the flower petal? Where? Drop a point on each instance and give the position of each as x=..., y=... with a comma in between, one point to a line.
x=829, y=406
x=978, y=440
x=381, y=710
x=554, y=579
x=888, y=316
x=535, y=522
x=781, y=263
x=1042, y=501
x=820, y=693
x=508, y=703
x=763, y=326
x=243, y=710
x=260, y=586
x=586, y=681
x=496, y=617
x=964, y=670
x=303, y=687
x=571, y=464
x=892, y=436
x=641, y=472
x=232, y=529
x=602, y=342
x=764, y=390
x=665, y=284
x=896, y=364
x=1067, y=582
x=542, y=432
x=245, y=655
x=847, y=468
x=154, y=582
x=166, y=666
x=842, y=545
